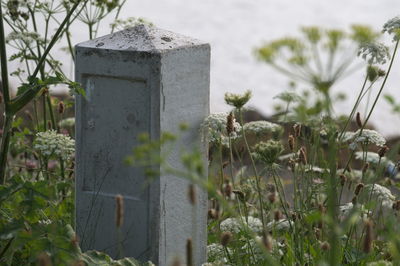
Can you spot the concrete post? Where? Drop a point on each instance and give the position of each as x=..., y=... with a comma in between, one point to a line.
x=142, y=79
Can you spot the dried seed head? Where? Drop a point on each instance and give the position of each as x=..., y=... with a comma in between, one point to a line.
x=225, y=164
x=291, y=142
x=297, y=130
x=192, y=194
x=272, y=197
x=367, y=245
x=267, y=241
x=49, y=125
x=358, y=189
x=343, y=180
x=365, y=167
x=61, y=107
x=226, y=237
x=44, y=259
x=120, y=211
x=358, y=120
x=303, y=155
x=230, y=127
x=271, y=188
x=396, y=205
x=189, y=252
x=382, y=151
x=325, y=246
x=212, y=214
x=228, y=190
x=354, y=200
x=277, y=215
x=348, y=169
x=240, y=194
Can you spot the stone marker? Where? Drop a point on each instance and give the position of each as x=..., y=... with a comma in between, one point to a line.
x=142, y=79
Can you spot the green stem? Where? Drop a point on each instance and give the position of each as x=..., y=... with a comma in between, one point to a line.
x=5, y=143
x=4, y=69
x=255, y=172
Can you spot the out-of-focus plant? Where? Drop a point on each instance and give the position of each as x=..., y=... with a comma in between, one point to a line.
x=318, y=58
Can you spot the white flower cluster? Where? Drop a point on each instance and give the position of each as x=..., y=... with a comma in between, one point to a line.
x=374, y=53
x=378, y=192
x=67, y=122
x=233, y=225
x=372, y=157
x=380, y=263
x=281, y=225
x=50, y=143
x=26, y=37
x=348, y=209
x=216, y=253
x=214, y=126
x=259, y=127
x=392, y=26
x=367, y=136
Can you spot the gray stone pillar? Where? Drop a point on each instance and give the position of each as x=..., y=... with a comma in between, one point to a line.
x=142, y=79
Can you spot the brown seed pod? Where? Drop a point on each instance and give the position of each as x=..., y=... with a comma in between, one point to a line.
x=365, y=167
x=358, y=120
x=383, y=150
x=271, y=197
x=192, y=194
x=212, y=214
x=367, y=245
x=291, y=142
x=230, y=127
x=61, y=107
x=343, y=180
x=226, y=237
x=189, y=252
x=358, y=189
x=277, y=215
x=120, y=211
x=267, y=241
x=325, y=246
x=303, y=155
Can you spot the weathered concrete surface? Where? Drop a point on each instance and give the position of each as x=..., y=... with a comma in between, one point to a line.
x=139, y=80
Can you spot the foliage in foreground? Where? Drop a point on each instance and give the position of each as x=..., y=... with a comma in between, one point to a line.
x=321, y=193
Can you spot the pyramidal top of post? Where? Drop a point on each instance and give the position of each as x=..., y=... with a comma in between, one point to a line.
x=142, y=38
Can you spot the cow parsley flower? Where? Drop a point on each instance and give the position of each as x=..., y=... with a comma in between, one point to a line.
x=374, y=53
x=50, y=143
x=214, y=127
x=260, y=127
x=281, y=225
x=367, y=136
x=393, y=27
x=372, y=157
x=234, y=226
x=237, y=100
x=216, y=253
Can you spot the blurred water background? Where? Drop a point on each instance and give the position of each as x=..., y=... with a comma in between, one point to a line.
x=235, y=27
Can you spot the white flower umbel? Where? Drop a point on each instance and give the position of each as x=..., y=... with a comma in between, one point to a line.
x=281, y=225
x=261, y=127
x=380, y=195
x=233, y=225
x=374, y=53
x=216, y=253
x=380, y=263
x=392, y=27
x=368, y=136
x=372, y=157
x=50, y=143
x=214, y=127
